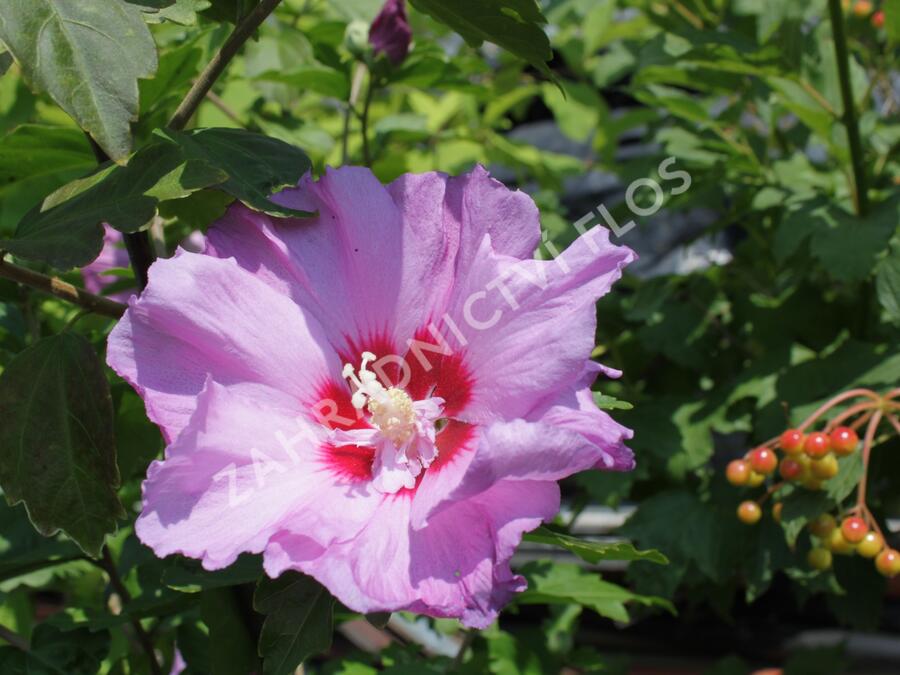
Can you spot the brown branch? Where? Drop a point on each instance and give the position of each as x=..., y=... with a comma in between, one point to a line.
x=242, y=31
x=61, y=289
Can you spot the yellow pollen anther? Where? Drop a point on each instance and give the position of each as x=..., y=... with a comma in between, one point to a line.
x=393, y=413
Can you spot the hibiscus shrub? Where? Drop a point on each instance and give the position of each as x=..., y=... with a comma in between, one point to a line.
x=323, y=338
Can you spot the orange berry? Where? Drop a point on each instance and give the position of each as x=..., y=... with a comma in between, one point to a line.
x=862, y=8
x=871, y=545
x=888, y=562
x=749, y=512
x=854, y=529
x=843, y=440
x=738, y=472
x=825, y=468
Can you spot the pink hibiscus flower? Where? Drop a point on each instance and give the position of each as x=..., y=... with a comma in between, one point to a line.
x=112, y=256
x=382, y=396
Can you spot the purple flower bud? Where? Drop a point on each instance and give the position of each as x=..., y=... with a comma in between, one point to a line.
x=390, y=32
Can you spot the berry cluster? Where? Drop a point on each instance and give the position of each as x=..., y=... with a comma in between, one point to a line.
x=863, y=9
x=853, y=534
x=809, y=460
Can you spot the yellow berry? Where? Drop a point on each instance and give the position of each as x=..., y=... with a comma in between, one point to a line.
x=825, y=468
x=871, y=545
x=819, y=558
x=836, y=543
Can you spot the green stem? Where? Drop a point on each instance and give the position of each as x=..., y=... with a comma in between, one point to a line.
x=364, y=121
x=860, y=195
x=204, y=82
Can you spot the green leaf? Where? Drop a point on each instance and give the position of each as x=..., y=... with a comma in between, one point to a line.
x=57, y=652
x=607, y=402
x=231, y=647
x=183, y=12
x=34, y=161
x=594, y=551
x=57, y=450
x=550, y=583
x=189, y=576
x=22, y=550
x=87, y=56
x=514, y=25
x=256, y=165
x=325, y=81
x=891, y=10
x=68, y=233
x=299, y=614
x=246, y=165
x=800, y=507
x=578, y=111
x=887, y=283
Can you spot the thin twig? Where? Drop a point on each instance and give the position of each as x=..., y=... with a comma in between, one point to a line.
x=108, y=565
x=241, y=33
x=867, y=450
x=860, y=196
x=61, y=289
x=14, y=638
x=224, y=109
x=457, y=662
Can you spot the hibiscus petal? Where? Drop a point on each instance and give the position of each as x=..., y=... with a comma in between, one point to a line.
x=361, y=271
x=201, y=317
x=577, y=412
x=506, y=451
x=525, y=328
x=458, y=566
x=238, y=475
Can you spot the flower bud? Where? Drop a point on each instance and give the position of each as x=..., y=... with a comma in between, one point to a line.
x=390, y=33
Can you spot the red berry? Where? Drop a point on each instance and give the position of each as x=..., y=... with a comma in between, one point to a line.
x=854, y=529
x=817, y=445
x=791, y=441
x=888, y=562
x=844, y=440
x=763, y=461
x=738, y=472
x=790, y=469
x=878, y=19
x=749, y=512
